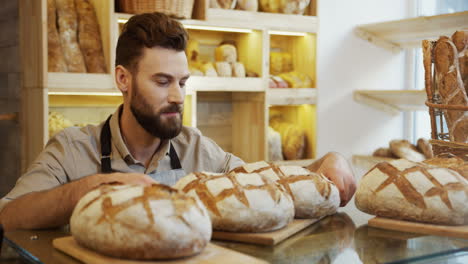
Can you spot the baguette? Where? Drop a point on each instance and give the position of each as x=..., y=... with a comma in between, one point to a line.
x=56, y=61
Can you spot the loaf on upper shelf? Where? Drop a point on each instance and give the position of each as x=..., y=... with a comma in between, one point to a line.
x=407, y=190
x=284, y=6
x=224, y=4
x=293, y=138
x=74, y=39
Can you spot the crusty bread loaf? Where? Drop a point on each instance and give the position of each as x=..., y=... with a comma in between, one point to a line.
x=223, y=69
x=137, y=222
x=240, y=202
x=293, y=138
x=89, y=37
x=460, y=40
x=56, y=61
x=247, y=5
x=67, y=21
x=314, y=196
x=407, y=190
x=238, y=69
x=225, y=4
x=383, y=152
x=425, y=148
x=452, y=162
x=405, y=150
x=450, y=86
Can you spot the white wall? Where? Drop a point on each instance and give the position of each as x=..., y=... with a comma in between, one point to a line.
x=347, y=63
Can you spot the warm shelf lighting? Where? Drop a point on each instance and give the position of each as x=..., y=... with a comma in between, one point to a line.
x=286, y=33
x=224, y=29
x=211, y=28
x=87, y=93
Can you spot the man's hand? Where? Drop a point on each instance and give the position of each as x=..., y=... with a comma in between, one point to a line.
x=335, y=167
x=52, y=208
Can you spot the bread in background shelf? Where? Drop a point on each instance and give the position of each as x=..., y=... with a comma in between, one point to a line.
x=292, y=138
x=238, y=69
x=240, y=202
x=56, y=61
x=209, y=70
x=294, y=6
x=425, y=148
x=407, y=190
x=384, y=152
x=275, y=151
x=223, y=69
x=247, y=5
x=89, y=37
x=141, y=222
x=405, y=150
x=68, y=26
x=225, y=4
x=57, y=122
x=226, y=53
x=272, y=6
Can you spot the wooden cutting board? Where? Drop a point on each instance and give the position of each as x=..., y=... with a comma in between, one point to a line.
x=420, y=228
x=268, y=238
x=211, y=254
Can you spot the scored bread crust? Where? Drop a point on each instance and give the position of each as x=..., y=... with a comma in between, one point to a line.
x=240, y=202
x=314, y=196
x=413, y=191
x=138, y=222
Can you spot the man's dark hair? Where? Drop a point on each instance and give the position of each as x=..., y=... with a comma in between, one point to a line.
x=148, y=30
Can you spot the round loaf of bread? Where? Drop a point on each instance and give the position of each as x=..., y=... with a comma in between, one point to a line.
x=141, y=222
x=314, y=196
x=240, y=202
x=413, y=191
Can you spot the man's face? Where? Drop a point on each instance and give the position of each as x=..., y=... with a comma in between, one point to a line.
x=158, y=91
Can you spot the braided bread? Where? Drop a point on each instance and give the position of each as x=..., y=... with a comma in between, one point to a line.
x=240, y=202
x=137, y=222
x=413, y=191
x=314, y=196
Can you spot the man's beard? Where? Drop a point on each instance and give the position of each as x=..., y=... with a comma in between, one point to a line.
x=153, y=123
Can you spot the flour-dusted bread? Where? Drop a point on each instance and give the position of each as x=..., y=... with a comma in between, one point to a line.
x=68, y=31
x=89, y=37
x=452, y=162
x=138, y=222
x=56, y=61
x=407, y=190
x=240, y=202
x=314, y=196
x=425, y=148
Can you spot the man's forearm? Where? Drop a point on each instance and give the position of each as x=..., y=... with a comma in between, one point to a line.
x=45, y=209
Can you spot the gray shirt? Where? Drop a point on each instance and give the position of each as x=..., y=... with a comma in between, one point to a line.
x=75, y=153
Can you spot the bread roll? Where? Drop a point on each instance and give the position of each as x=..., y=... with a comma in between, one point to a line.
x=226, y=52
x=223, y=69
x=238, y=69
x=425, y=148
x=405, y=150
x=314, y=195
x=247, y=5
x=137, y=222
x=67, y=21
x=56, y=61
x=293, y=7
x=240, y=202
x=412, y=191
x=89, y=37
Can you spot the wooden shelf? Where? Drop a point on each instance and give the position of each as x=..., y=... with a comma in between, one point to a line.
x=225, y=84
x=408, y=33
x=249, y=20
x=394, y=101
x=291, y=96
x=80, y=83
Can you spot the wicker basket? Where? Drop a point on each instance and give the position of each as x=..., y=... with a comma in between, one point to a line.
x=173, y=8
x=441, y=138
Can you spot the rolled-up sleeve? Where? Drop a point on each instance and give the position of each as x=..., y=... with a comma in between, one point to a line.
x=49, y=170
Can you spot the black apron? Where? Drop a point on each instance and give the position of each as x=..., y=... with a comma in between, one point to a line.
x=165, y=177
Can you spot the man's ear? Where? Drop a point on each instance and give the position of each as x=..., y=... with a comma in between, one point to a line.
x=123, y=78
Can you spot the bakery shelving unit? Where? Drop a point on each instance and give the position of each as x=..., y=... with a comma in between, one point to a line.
x=403, y=34
x=396, y=36
x=244, y=101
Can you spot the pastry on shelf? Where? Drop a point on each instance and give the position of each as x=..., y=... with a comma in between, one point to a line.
x=247, y=5
x=226, y=52
x=293, y=138
x=224, y=4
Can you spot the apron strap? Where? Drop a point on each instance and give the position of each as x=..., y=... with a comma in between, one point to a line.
x=106, y=150
x=106, y=147
x=175, y=162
